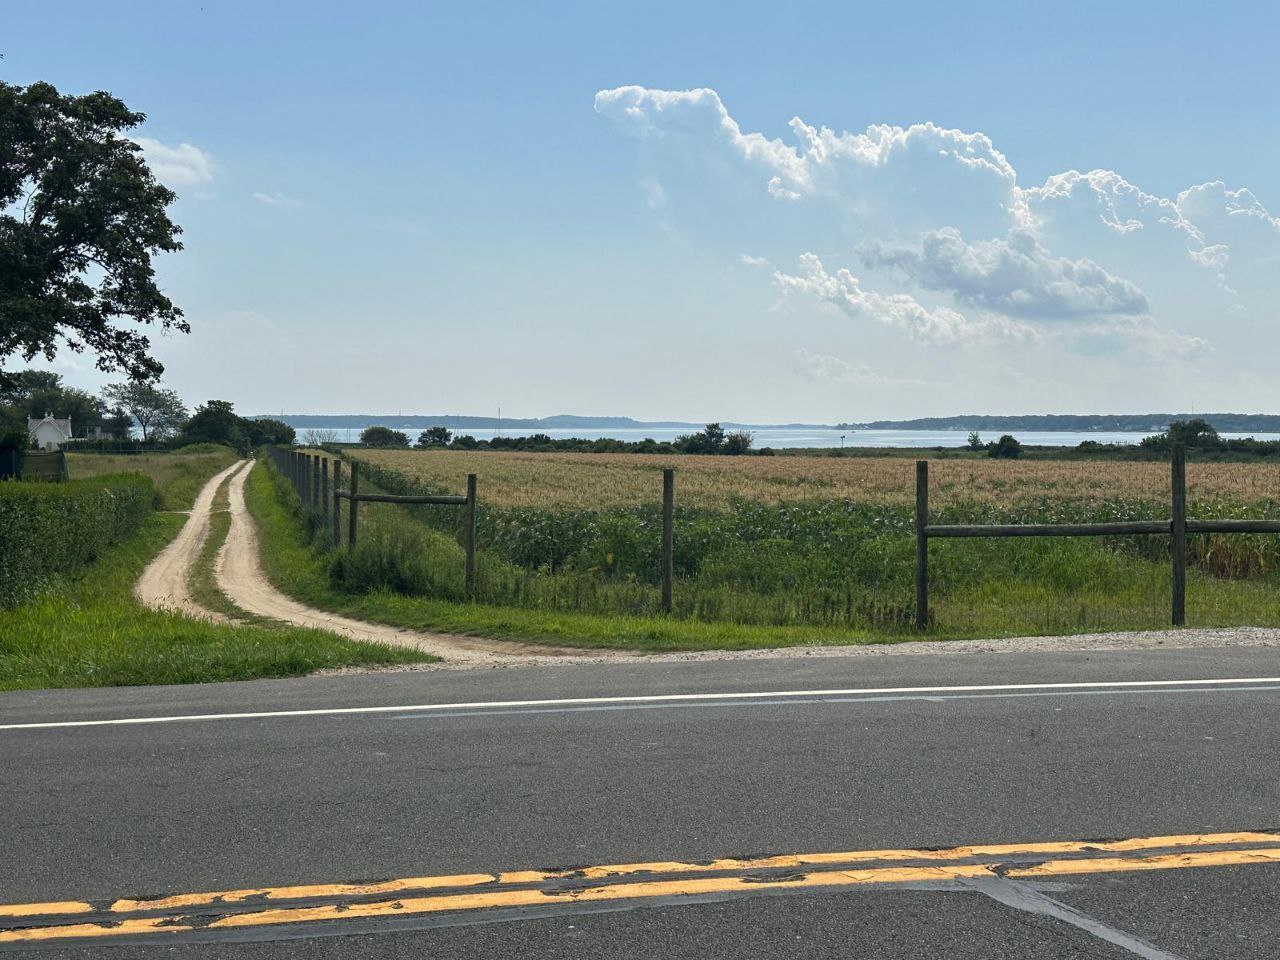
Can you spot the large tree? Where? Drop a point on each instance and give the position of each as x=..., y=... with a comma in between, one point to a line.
x=216, y=422
x=81, y=216
x=157, y=411
x=33, y=393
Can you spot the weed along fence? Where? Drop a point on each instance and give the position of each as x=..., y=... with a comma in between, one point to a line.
x=1177, y=528
x=310, y=476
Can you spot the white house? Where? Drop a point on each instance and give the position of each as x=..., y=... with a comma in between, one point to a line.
x=49, y=433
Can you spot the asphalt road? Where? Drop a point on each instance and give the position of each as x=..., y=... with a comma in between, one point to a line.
x=764, y=766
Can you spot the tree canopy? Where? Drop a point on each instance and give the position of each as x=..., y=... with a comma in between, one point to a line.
x=1006, y=448
x=435, y=437
x=216, y=422
x=33, y=393
x=157, y=411
x=383, y=437
x=81, y=216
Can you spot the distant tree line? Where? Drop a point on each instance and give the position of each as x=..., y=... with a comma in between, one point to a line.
x=1075, y=423
x=711, y=440
x=110, y=420
x=1198, y=434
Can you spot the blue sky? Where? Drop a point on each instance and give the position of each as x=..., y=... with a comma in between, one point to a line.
x=447, y=208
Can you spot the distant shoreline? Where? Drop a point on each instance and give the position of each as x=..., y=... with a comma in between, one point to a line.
x=1040, y=423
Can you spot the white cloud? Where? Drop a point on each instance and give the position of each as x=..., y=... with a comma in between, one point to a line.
x=751, y=261
x=185, y=165
x=954, y=249
x=274, y=199
x=818, y=366
x=939, y=325
x=919, y=171
x=654, y=196
x=1015, y=276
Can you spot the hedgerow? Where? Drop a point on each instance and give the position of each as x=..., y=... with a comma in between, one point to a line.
x=51, y=529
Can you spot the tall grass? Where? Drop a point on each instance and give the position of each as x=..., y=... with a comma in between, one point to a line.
x=813, y=560
x=178, y=476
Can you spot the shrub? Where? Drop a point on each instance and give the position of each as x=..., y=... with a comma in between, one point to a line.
x=383, y=437
x=51, y=529
x=1007, y=448
x=435, y=437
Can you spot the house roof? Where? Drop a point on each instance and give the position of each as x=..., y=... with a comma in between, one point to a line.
x=62, y=426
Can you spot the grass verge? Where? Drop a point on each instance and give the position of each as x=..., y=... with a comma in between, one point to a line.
x=92, y=632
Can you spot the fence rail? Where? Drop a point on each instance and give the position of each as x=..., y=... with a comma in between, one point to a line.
x=1176, y=528
x=323, y=491
x=309, y=475
x=325, y=482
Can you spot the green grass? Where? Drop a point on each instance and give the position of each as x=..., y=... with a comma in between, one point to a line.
x=92, y=632
x=203, y=582
x=178, y=476
x=981, y=588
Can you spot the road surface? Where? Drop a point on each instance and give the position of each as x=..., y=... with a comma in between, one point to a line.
x=932, y=806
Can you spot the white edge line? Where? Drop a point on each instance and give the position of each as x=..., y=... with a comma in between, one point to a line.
x=652, y=698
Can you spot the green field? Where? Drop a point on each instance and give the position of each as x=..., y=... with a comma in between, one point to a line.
x=777, y=550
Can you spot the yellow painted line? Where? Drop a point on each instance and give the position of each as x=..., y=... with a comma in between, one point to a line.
x=610, y=871
x=622, y=891
x=302, y=892
x=950, y=853
x=1172, y=861
x=1179, y=851
x=36, y=909
x=132, y=926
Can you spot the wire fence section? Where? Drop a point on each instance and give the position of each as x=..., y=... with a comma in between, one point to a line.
x=824, y=542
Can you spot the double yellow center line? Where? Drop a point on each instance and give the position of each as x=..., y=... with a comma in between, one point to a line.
x=209, y=913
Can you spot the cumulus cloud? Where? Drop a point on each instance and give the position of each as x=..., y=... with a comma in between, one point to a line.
x=1015, y=276
x=750, y=261
x=939, y=325
x=934, y=173
x=185, y=165
x=953, y=248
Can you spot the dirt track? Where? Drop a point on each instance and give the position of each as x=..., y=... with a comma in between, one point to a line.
x=164, y=583
x=240, y=576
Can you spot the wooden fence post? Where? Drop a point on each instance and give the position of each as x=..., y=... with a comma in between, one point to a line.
x=470, y=523
x=668, y=535
x=354, y=506
x=317, y=502
x=1178, y=533
x=922, y=545
x=337, y=505
x=324, y=488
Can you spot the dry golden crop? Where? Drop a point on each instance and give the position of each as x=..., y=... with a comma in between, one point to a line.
x=594, y=481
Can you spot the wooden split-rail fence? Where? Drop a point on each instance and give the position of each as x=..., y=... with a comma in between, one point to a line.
x=309, y=473
x=1176, y=528
x=322, y=493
